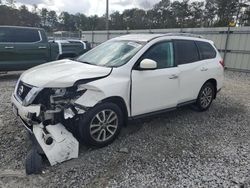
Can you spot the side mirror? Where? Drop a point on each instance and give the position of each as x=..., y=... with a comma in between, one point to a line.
x=148, y=64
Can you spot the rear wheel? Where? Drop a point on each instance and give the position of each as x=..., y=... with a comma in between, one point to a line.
x=101, y=125
x=205, y=97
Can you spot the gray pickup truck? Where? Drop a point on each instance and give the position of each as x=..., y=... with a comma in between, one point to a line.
x=24, y=47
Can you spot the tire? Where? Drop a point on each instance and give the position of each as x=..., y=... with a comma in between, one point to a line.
x=205, y=97
x=97, y=127
x=33, y=162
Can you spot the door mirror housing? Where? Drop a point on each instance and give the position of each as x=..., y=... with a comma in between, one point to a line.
x=148, y=64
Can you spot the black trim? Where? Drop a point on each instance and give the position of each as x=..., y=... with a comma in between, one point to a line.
x=161, y=111
x=199, y=51
x=26, y=125
x=84, y=81
x=152, y=113
x=174, y=44
x=141, y=69
x=186, y=103
x=130, y=93
x=223, y=32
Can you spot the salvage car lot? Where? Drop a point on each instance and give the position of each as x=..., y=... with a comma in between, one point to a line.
x=179, y=148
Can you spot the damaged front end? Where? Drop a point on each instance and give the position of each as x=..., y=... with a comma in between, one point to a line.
x=50, y=114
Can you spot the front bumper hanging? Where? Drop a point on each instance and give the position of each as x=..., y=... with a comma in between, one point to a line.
x=57, y=143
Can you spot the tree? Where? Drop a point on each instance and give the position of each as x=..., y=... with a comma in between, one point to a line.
x=27, y=18
x=245, y=18
x=197, y=14
x=52, y=19
x=163, y=15
x=226, y=11
x=68, y=22
x=8, y=15
x=34, y=8
x=44, y=16
x=181, y=13
x=10, y=3
x=117, y=21
x=242, y=9
x=134, y=18
x=209, y=13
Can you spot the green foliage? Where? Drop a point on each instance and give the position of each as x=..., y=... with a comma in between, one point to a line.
x=165, y=14
x=19, y=17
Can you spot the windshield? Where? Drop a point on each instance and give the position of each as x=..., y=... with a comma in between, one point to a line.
x=111, y=53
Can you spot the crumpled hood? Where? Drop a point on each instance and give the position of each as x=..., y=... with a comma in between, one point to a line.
x=62, y=73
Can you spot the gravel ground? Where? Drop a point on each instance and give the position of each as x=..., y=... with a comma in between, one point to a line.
x=182, y=148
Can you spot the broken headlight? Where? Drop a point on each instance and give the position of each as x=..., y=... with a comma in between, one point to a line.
x=31, y=96
x=65, y=99
x=67, y=93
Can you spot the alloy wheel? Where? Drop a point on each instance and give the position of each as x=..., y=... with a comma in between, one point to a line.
x=104, y=125
x=206, y=97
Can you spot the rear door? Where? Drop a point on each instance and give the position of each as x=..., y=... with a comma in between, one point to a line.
x=7, y=49
x=193, y=70
x=31, y=48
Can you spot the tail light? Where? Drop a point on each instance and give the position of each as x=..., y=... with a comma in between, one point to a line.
x=222, y=63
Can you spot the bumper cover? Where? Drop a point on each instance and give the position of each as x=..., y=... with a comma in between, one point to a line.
x=25, y=112
x=57, y=143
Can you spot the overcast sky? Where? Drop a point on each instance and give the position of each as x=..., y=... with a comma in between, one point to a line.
x=89, y=7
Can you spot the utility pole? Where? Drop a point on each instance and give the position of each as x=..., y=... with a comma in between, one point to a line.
x=107, y=18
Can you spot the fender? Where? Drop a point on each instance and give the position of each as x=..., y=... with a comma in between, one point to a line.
x=90, y=98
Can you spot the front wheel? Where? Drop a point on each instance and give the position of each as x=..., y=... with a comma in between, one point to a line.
x=205, y=97
x=101, y=125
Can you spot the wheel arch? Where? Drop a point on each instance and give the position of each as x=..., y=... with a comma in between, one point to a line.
x=119, y=101
x=214, y=82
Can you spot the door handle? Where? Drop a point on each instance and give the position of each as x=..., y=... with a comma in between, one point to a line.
x=173, y=76
x=42, y=47
x=204, y=69
x=9, y=47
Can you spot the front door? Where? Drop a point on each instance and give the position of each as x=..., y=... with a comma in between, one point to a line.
x=154, y=90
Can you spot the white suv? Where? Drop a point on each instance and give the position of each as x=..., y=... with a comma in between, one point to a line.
x=124, y=78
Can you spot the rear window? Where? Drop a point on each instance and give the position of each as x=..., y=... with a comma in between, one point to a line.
x=206, y=50
x=185, y=52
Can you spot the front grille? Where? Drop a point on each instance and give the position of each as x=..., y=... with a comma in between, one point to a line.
x=22, y=90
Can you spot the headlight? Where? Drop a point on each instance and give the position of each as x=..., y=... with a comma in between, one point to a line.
x=31, y=96
x=64, y=95
x=17, y=84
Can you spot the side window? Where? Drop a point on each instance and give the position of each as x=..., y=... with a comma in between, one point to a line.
x=6, y=34
x=185, y=52
x=206, y=50
x=26, y=35
x=162, y=53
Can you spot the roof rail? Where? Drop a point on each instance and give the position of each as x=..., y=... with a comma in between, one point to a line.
x=184, y=34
